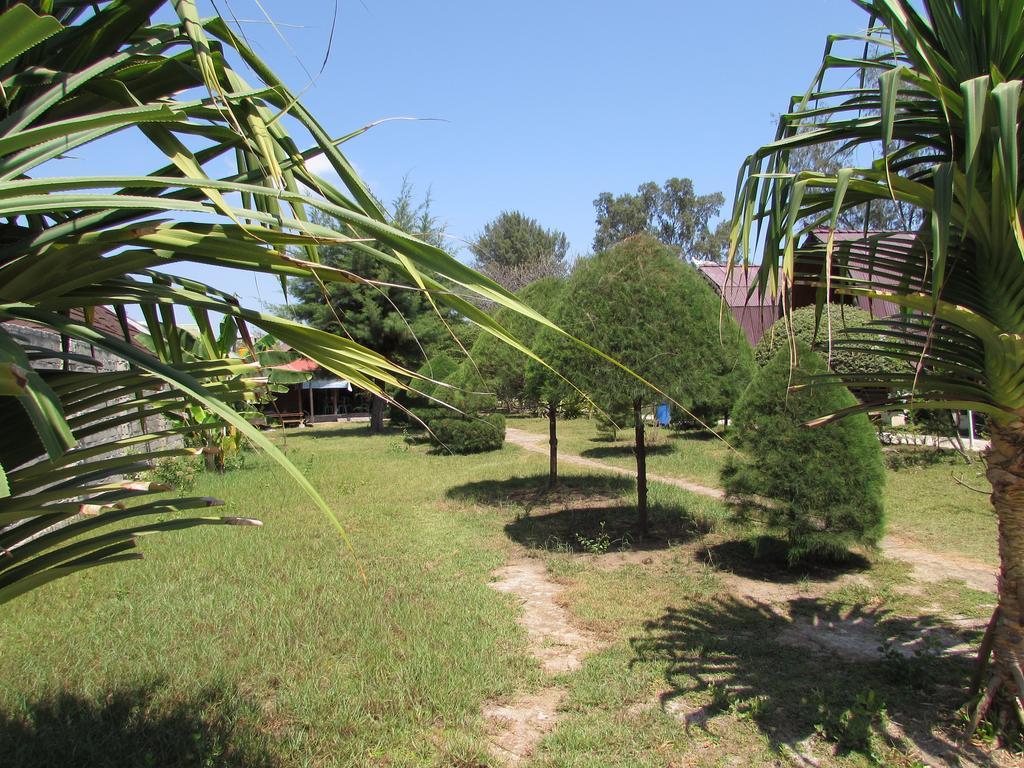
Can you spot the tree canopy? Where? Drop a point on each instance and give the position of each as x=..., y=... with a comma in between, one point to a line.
x=805, y=326
x=642, y=305
x=505, y=369
x=639, y=303
x=514, y=250
x=672, y=213
x=382, y=314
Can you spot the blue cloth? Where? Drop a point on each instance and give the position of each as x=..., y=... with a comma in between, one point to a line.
x=663, y=415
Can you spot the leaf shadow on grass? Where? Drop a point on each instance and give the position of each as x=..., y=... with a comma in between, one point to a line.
x=133, y=726
x=812, y=667
x=582, y=508
x=765, y=559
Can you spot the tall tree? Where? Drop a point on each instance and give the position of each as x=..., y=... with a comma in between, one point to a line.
x=381, y=314
x=943, y=109
x=639, y=303
x=873, y=216
x=514, y=250
x=672, y=213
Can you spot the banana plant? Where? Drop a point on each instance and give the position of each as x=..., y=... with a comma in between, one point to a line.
x=217, y=440
x=76, y=79
x=933, y=89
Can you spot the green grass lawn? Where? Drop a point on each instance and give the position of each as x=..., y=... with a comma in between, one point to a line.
x=267, y=647
x=927, y=505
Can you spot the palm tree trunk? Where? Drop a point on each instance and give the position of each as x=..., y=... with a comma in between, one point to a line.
x=552, y=444
x=641, y=467
x=1004, y=688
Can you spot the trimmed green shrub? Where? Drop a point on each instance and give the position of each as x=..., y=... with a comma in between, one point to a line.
x=438, y=368
x=468, y=435
x=843, y=361
x=824, y=484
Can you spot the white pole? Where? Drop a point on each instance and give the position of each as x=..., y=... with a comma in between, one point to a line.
x=970, y=429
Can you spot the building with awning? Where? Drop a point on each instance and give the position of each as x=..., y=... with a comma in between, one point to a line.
x=323, y=397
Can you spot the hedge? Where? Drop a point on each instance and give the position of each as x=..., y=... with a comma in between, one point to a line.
x=468, y=435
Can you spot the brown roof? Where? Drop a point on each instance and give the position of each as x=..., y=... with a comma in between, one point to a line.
x=754, y=311
x=302, y=364
x=864, y=254
x=103, y=319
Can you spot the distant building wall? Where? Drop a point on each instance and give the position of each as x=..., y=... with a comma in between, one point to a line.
x=35, y=336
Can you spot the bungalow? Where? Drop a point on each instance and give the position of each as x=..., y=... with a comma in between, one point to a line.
x=323, y=397
x=754, y=312
x=856, y=255
x=79, y=356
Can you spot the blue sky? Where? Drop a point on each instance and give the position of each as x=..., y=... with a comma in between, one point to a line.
x=543, y=105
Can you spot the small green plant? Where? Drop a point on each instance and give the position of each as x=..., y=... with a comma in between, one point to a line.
x=179, y=473
x=985, y=732
x=916, y=670
x=750, y=709
x=399, y=445
x=853, y=729
x=598, y=545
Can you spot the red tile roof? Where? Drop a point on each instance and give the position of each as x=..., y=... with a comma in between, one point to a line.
x=302, y=364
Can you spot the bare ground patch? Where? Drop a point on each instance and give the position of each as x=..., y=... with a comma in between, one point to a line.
x=555, y=641
x=934, y=567
x=517, y=726
x=858, y=637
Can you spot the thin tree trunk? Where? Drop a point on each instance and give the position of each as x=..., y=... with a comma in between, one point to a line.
x=641, y=467
x=1005, y=685
x=553, y=444
x=213, y=457
x=377, y=404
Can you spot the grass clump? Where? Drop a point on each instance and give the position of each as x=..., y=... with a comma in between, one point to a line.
x=823, y=486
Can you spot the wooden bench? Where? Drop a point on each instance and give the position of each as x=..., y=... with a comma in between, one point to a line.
x=288, y=419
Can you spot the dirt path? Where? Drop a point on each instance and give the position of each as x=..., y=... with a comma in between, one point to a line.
x=554, y=641
x=517, y=726
x=936, y=567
